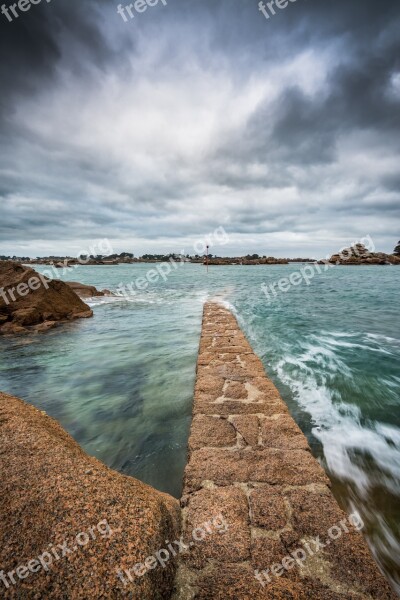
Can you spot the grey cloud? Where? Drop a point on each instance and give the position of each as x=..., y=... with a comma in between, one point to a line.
x=280, y=167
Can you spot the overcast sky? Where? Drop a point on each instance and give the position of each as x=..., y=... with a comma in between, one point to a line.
x=196, y=115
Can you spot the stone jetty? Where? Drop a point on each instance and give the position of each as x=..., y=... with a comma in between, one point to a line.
x=248, y=461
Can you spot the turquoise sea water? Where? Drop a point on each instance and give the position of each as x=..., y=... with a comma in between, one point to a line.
x=122, y=382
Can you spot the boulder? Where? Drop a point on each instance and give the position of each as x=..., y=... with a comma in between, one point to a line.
x=29, y=300
x=86, y=291
x=359, y=255
x=91, y=527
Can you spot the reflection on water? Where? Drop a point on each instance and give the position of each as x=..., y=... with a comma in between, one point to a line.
x=122, y=383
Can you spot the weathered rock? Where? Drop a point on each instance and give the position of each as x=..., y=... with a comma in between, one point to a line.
x=234, y=539
x=54, y=495
x=86, y=291
x=219, y=432
x=281, y=431
x=28, y=300
x=248, y=427
x=359, y=255
x=268, y=508
x=237, y=582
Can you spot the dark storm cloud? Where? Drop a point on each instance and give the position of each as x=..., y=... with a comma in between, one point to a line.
x=356, y=100
x=200, y=114
x=29, y=53
x=36, y=42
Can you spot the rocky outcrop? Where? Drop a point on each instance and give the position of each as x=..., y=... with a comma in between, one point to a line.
x=87, y=291
x=30, y=301
x=285, y=536
x=358, y=254
x=56, y=501
x=246, y=261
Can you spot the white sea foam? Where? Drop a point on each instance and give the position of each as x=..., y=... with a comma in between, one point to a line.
x=342, y=344
x=101, y=300
x=338, y=423
x=383, y=338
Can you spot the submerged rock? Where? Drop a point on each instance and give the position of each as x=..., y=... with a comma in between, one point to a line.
x=30, y=301
x=87, y=291
x=55, y=500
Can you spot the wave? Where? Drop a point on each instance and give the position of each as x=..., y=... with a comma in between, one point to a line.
x=342, y=344
x=359, y=450
x=159, y=296
x=339, y=424
x=102, y=300
x=383, y=338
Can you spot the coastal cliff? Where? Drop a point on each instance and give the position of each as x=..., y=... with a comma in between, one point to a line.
x=56, y=501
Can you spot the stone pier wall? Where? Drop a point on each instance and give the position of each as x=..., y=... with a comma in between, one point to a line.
x=249, y=461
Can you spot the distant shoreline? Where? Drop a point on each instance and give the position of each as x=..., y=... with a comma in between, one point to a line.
x=226, y=264
x=356, y=255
